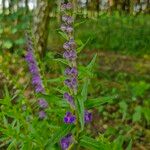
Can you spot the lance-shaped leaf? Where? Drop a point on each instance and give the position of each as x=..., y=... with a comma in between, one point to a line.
x=99, y=101
x=80, y=110
x=64, y=35
x=79, y=49
x=91, y=64
x=84, y=92
x=91, y=144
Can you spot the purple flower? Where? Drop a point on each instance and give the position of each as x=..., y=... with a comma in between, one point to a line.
x=42, y=103
x=70, y=55
x=72, y=43
x=87, y=116
x=66, y=141
x=42, y=114
x=29, y=57
x=36, y=80
x=69, y=118
x=71, y=83
x=69, y=29
x=63, y=7
x=39, y=88
x=66, y=46
x=69, y=6
x=63, y=27
x=67, y=19
x=71, y=71
x=33, y=68
x=69, y=98
x=64, y=18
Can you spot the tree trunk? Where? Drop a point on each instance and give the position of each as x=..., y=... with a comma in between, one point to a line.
x=97, y=6
x=41, y=24
x=4, y=7
x=10, y=6
x=26, y=5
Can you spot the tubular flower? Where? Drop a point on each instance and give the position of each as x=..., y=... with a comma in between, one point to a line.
x=87, y=116
x=66, y=141
x=69, y=99
x=42, y=114
x=42, y=103
x=69, y=118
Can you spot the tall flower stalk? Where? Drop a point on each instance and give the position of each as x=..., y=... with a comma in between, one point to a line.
x=71, y=72
x=36, y=78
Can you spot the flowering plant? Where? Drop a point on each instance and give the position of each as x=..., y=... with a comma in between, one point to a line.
x=56, y=117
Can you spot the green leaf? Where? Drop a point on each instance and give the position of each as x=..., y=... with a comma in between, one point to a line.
x=98, y=101
x=80, y=110
x=79, y=42
x=129, y=147
x=60, y=133
x=91, y=144
x=61, y=60
x=84, y=92
x=20, y=41
x=137, y=114
x=7, y=44
x=83, y=45
x=12, y=145
x=123, y=108
x=118, y=143
x=59, y=90
x=146, y=113
x=79, y=23
x=64, y=35
x=56, y=80
x=91, y=64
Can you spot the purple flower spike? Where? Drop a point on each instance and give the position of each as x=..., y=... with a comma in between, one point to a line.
x=87, y=116
x=66, y=141
x=69, y=118
x=42, y=103
x=69, y=98
x=42, y=114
